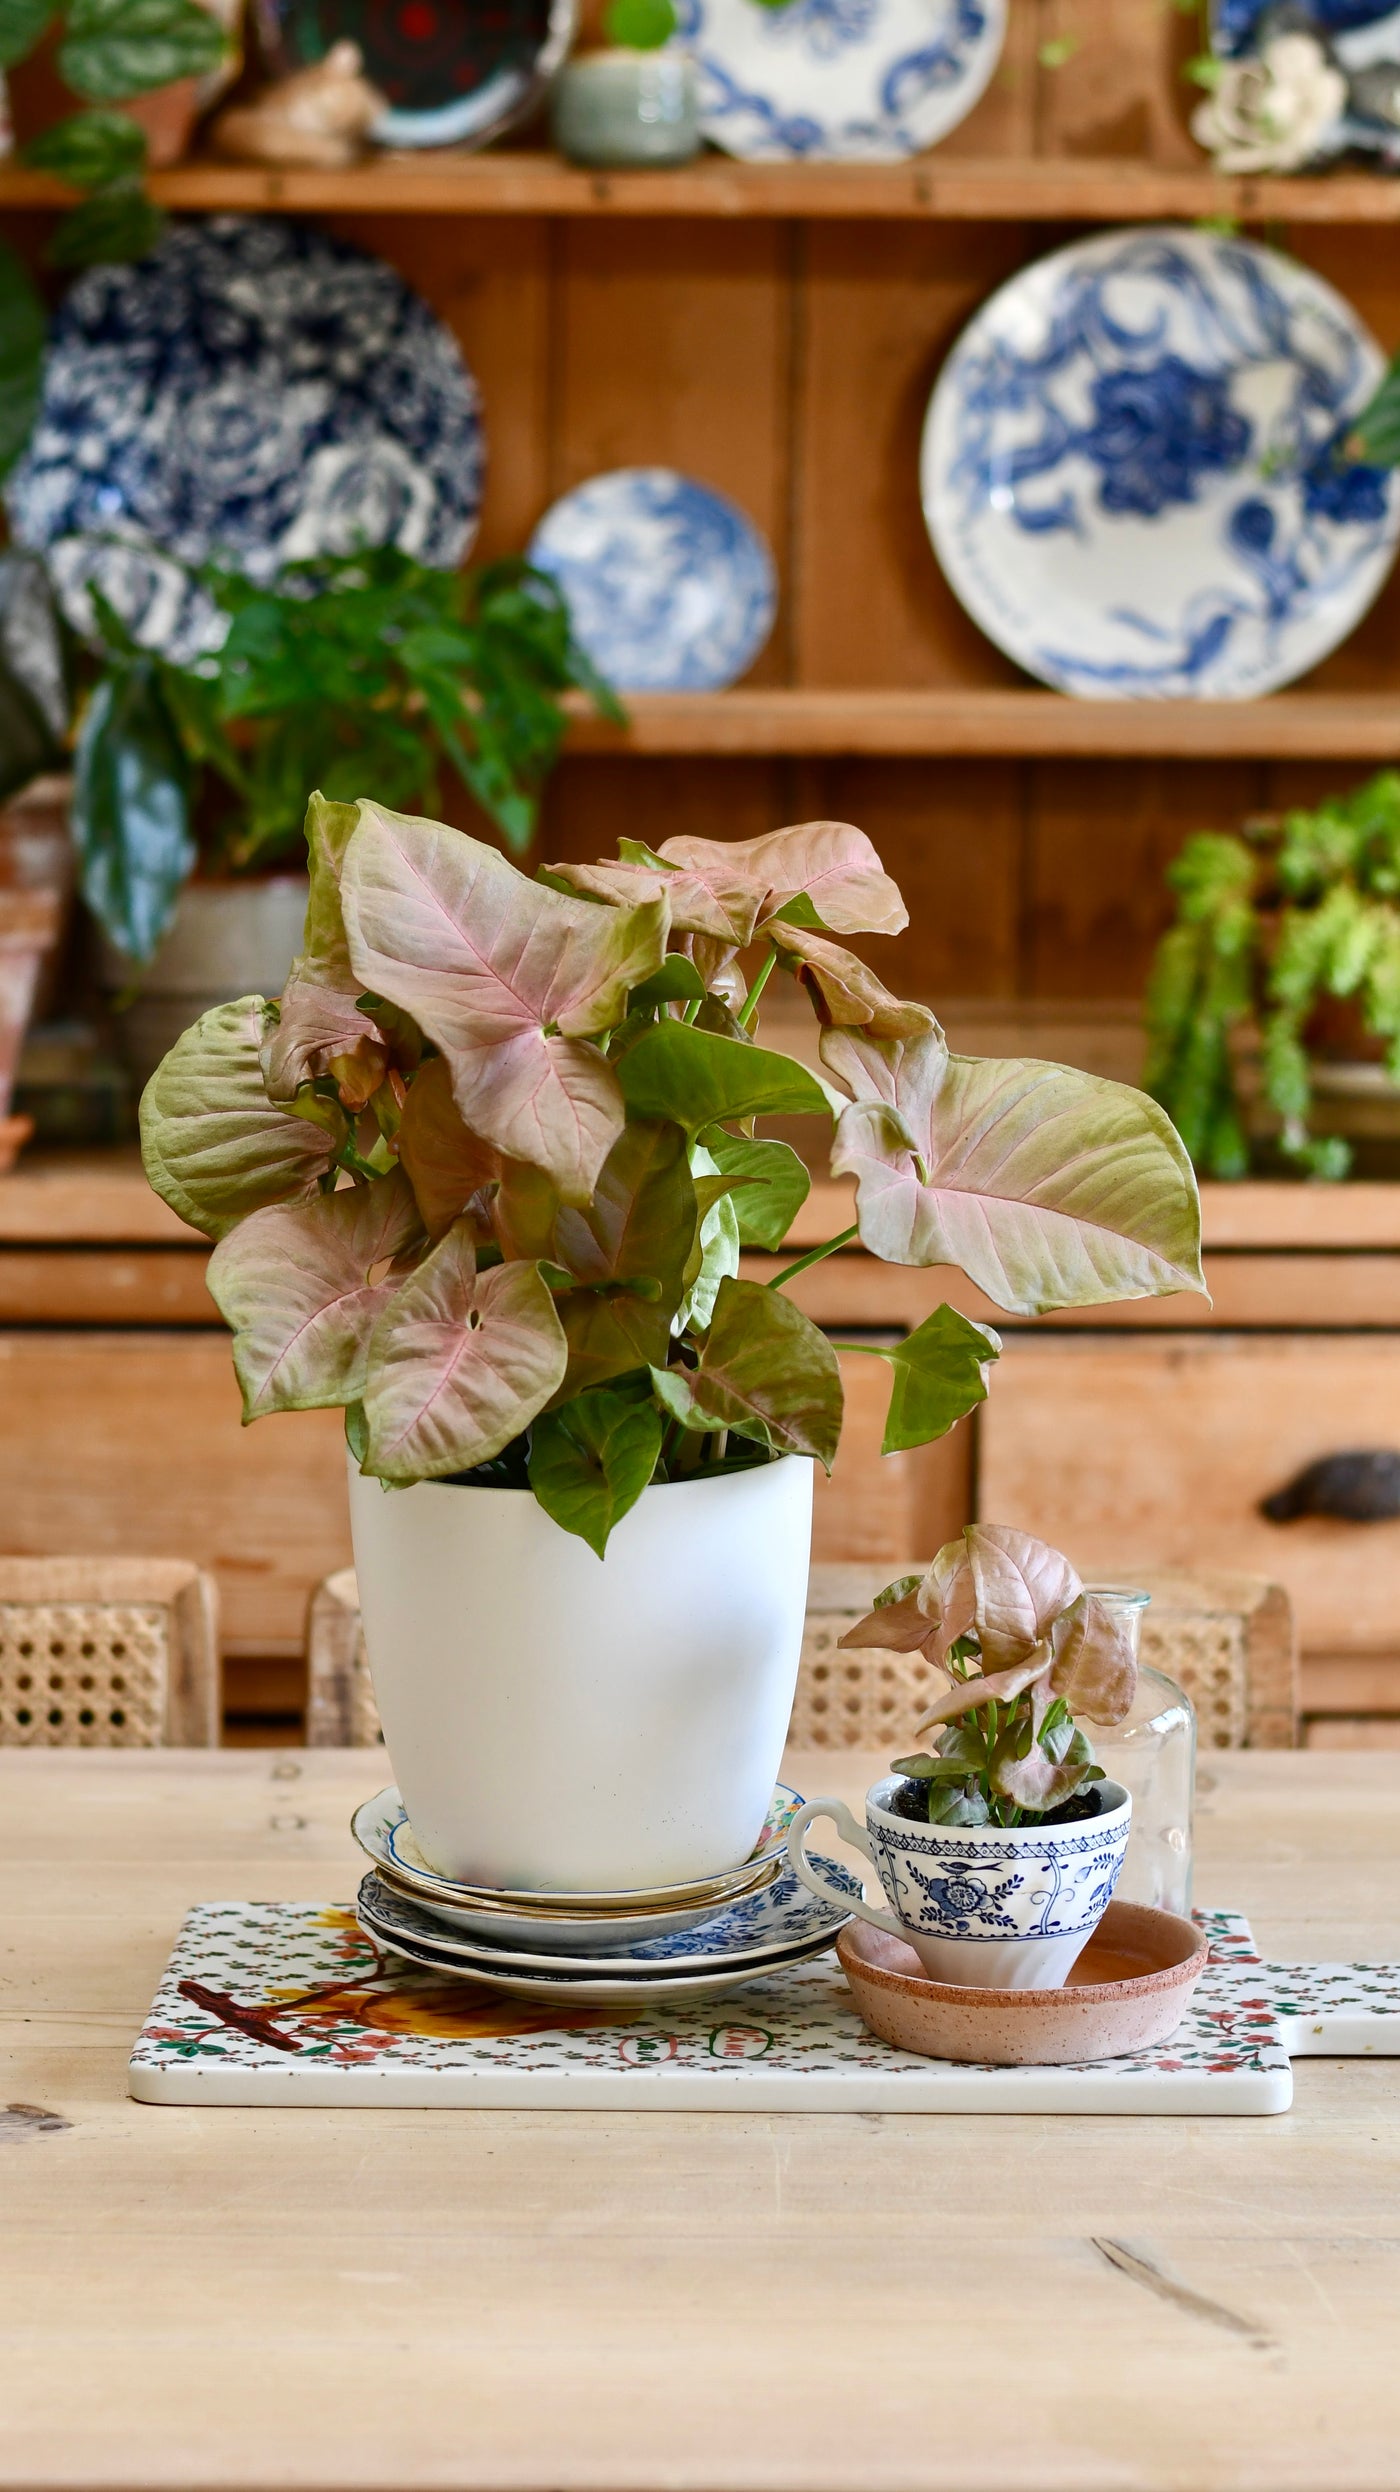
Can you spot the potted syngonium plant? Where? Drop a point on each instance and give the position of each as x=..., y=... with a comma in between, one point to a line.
x=1000, y=1844
x=483, y=1177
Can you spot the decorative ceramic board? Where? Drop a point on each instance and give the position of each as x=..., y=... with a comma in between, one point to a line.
x=293, y=2004
x=859, y=81
x=777, y=1921
x=252, y=394
x=455, y=74
x=670, y=587
x=1132, y=469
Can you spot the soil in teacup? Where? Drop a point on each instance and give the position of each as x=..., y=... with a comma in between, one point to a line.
x=911, y=1800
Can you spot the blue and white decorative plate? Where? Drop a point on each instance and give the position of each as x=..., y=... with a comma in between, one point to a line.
x=1132, y=468
x=853, y=81
x=1234, y=24
x=251, y=394
x=670, y=587
x=769, y=1923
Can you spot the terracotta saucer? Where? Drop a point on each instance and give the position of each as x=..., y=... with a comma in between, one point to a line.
x=1129, y=1990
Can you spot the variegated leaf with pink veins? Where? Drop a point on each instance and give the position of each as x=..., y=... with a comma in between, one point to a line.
x=823, y=874
x=459, y=1363
x=1047, y=1187
x=302, y=1286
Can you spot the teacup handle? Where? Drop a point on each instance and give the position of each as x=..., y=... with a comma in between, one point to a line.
x=851, y=1832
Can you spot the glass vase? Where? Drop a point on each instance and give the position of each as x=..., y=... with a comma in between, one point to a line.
x=1152, y=1753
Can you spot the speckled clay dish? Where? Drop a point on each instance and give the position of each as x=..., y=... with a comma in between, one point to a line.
x=1128, y=1991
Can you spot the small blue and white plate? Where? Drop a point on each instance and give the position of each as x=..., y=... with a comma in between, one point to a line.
x=252, y=394
x=670, y=587
x=839, y=81
x=1132, y=468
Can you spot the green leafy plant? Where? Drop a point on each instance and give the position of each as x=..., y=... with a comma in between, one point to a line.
x=351, y=672
x=1273, y=923
x=484, y=1175
x=1024, y=1650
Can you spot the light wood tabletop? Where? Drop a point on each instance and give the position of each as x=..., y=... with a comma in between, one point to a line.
x=517, y=2299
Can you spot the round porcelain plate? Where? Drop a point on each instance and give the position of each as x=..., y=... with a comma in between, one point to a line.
x=670, y=586
x=770, y=1923
x=603, y=1988
x=516, y=1916
x=867, y=81
x=1132, y=469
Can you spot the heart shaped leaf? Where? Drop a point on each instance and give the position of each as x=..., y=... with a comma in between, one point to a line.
x=826, y=872
x=215, y=1147
x=1095, y=1660
x=1049, y=1188
x=459, y=1363
x=508, y=977
x=590, y=1461
x=940, y=1374
x=697, y=1079
x=843, y=990
x=294, y=1282
x=1020, y=1587
x=627, y=1249
x=446, y=1164
x=1000, y=1687
x=765, y=1371
x=770, y=1185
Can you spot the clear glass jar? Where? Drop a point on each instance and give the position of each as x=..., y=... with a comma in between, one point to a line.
x=1152, y=1753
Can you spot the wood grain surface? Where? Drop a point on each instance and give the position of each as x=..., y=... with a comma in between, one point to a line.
x=305, y=2299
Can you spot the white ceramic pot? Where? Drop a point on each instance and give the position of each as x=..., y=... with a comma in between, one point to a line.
x=559, y=1721
x=993, y=1907
x=226, y=940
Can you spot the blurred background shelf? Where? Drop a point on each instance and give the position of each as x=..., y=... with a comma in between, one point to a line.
x=527, y=182
x=974, y=721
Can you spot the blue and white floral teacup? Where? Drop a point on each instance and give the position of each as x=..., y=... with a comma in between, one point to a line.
x=991, y=1907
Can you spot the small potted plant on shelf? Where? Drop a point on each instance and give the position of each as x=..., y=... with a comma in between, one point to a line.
x=349, y=671
x=483, y=1178
x=634, y=102
x=1273, y=1011
x=999, y=1845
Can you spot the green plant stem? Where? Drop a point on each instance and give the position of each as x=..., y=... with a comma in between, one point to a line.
x=692, y=1009
x=749, y=1005
x=815, y=1255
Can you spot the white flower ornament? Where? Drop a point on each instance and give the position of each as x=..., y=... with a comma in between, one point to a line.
x=1273, y=113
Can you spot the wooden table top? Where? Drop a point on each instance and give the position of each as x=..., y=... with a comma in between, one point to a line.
x=515, y=2299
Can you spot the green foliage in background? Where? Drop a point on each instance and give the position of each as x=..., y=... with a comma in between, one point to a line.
x=366, y=670
x=1270, y=922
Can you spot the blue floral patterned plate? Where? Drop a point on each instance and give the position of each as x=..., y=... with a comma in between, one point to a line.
x=1133, y=474
x=670, y=587
x=251, y=394
x=862, y=81
x=774, y=1926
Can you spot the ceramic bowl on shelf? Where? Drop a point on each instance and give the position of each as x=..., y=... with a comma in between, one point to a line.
x=252, y=394
x=670, y=586
x=523, y=1917
x=854, y=81
x=1134, y=472
x=454, y=74
x=729, y=1957
x=1129, y=1990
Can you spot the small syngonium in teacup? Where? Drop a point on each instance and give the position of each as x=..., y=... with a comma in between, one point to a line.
x=999, y=1850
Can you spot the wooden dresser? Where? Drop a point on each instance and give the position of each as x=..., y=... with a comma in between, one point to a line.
x=1136, y=1434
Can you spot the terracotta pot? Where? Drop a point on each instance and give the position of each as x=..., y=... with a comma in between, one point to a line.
x=36, y=854
x=29, y=923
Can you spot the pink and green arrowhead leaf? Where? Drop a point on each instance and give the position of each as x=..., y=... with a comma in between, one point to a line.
x=321, y=1028
x=1020, y=1587
x=591, y=1460
x=940, y=1374
x=845, y=992
x=294, y=1283
x=459, y=1363
x=1095, y=1660
x=511, y=980
x=1048, y=1187
x=446, y=1164
x=728, y=888
x=215, y=1147
x=765, y=1371
x=627, y=1249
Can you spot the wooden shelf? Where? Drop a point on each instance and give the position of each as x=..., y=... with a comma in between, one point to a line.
x=1335, y=726
x=517, y=182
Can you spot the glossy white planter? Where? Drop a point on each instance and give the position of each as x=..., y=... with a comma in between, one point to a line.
x=556, y=1720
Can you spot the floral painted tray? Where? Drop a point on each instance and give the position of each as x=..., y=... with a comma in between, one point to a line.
x=267, y=2004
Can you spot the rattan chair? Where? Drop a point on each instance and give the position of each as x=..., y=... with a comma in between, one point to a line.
x=108, y=1652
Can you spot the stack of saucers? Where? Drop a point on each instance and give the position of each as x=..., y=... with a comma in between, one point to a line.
x=690, y=1941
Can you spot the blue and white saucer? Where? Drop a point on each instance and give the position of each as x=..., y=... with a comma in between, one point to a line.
x=1133, y=469
x=670, y=587
x=252, y=394
x=783, y=1924
x=854, y=81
